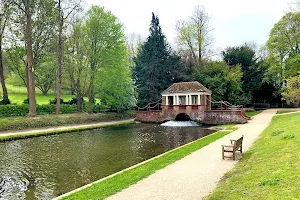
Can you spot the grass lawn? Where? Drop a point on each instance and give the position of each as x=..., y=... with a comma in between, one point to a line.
x=285, y=111
x=226, y=126
x=41, y=99
x=112, y=185
x=251, y=113
x=269, y=170
x=18, y=94
x=21, y=123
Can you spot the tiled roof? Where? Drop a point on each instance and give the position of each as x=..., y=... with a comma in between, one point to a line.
x=182, y=87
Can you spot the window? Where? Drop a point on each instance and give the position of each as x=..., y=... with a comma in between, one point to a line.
x=182, y=100
x=194, y=99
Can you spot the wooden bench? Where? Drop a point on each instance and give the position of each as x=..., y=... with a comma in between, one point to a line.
x=236, y=145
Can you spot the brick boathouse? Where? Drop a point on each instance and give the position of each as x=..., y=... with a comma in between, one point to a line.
x=190, y=101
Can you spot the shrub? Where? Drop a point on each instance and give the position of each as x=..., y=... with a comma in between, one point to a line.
x=26, y=101
x=4, y=102
x=22, y=110
x=74, y=101
x=54, y=101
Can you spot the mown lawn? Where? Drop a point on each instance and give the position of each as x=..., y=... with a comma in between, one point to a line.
x=271, y=169
x=285, y=111
x=251, y=113
x=18, y=94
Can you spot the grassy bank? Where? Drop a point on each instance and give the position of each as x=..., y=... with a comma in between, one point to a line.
x=53, y=132
x=21, y=123
x=251, y=113
x=123, y=180
x=271, y=169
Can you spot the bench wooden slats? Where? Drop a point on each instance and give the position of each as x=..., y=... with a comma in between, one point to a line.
x=236, y=145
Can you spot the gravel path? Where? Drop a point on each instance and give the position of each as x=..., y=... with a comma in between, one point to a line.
x=196, y=175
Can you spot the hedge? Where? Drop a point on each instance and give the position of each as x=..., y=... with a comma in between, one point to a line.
x=22, y=110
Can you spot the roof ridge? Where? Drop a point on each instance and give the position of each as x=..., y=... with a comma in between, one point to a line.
x=192, y=86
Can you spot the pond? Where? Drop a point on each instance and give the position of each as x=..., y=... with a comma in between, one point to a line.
x=48, y=166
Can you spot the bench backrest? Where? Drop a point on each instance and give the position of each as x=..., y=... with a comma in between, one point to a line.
x=238, y=143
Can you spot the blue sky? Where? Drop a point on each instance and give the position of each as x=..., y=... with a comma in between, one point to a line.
x=234, y=21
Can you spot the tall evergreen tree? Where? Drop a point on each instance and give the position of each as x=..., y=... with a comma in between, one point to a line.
x=154, y=65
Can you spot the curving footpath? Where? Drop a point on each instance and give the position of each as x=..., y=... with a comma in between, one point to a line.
x=196, y=175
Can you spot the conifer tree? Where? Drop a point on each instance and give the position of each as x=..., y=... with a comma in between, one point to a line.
x=154, y=65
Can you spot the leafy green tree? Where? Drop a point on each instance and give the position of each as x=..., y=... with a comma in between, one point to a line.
x=291, y=91
x=64, y=9
x=154, y=65
x=284, y=48
x=223, y=80
x=252, y=68
x=106, y=41
x=76, y=64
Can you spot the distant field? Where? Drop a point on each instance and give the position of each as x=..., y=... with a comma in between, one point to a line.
x=18, y=94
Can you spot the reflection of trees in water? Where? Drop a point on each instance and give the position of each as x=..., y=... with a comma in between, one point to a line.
x=52, y=165
x=152, y=140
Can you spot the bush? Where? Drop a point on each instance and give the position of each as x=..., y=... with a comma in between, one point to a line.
x=54, y=101
x=26, y=101
x=74, y=101
x=4, y=102
x=22, y=110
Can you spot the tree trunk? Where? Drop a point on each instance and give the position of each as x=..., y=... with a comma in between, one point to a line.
x=30, y=63
x=78, y=96
x=5, y=94
x=59, y=52
x=91, y=88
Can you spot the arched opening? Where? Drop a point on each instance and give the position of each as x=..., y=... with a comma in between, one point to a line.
x=182, y=117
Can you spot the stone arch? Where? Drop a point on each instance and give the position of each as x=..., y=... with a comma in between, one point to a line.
x=182, y=117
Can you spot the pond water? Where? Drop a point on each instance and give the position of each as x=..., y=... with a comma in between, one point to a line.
x=48, y=166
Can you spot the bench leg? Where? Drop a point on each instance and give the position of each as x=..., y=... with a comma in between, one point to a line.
x=241, y=149
x=223, y=153
x=233, y=155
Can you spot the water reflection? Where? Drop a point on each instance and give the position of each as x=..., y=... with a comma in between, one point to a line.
x=45, y=167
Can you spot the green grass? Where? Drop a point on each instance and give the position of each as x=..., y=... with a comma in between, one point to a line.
x=18, y=94
x=123, y=180
x=226, y=126
x=285, y=111
x=271, y=169
x=21, y=123
x=53, y=132
x=41, y=99
x=251, y=113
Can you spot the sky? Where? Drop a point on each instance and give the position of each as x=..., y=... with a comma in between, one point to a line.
x=234, y=22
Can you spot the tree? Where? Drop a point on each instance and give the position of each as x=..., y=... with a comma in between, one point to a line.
x=30, y=61
x=291, y=91
x=284, y=48
x=194, y=35
x=5, y=11
x=134, y=42
x=154, y=65
x=223, y=80
x=64, y=10
x=105, y=40
x=252, y=68
x=76, y=65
